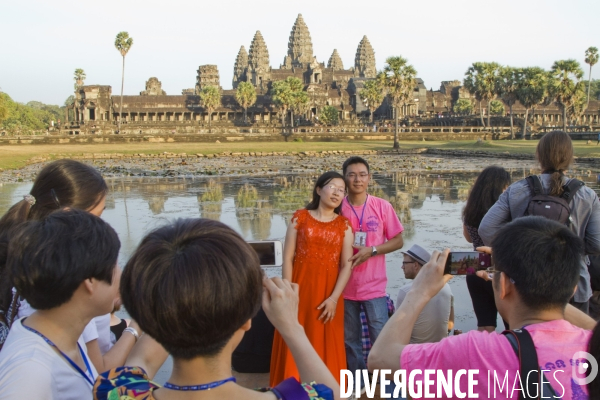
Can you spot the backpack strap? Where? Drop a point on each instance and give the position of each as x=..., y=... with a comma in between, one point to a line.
x=535, y=185
x=571, y=188
x=523, y=346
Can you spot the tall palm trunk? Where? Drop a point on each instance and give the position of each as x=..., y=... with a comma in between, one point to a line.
x=512, y=133
x=396, y=144
x=564, y=107
x=589, y=86
x=371, y=116
x=245, y=114
x=122, y=85
x=481, y=114
x=525, y=122
x=488, y=111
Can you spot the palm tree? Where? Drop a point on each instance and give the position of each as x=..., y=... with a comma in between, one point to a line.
x=372, y=95
x=566, y=85
x=289, y=95
x=591, y=57
x=507, y=85
x=4, y=111
x=245, y=96
x=298, y=96
x=211, y=99
x=399, y=80
x=532, y=90
x=123, y=43
x=481, y=79
x=463, y=107
x=79, y=78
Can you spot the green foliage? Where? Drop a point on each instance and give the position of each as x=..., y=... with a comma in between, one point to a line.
x=211, y=100
x=298, y=140
x=372, y=95
x=329, y=115
x=399, y=80
x=594, y=87
x=123, y=43
x=245, y=95
x=289, y=94
x=17, y=118
x=79, y=78
x=591, y=56
x=496, y=107
x=533, y=86
x=481, y=80
x=463, y=107
x=566, y=85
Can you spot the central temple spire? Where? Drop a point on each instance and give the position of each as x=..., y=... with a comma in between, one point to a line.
x=300, y=50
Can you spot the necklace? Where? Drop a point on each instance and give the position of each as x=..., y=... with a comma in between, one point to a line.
x=205, y=386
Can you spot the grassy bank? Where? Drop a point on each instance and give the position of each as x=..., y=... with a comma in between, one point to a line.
x=16, y=156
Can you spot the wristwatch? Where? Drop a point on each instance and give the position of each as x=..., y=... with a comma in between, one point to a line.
x=373, y=251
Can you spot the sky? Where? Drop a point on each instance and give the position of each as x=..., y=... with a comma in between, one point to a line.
x=43, y=42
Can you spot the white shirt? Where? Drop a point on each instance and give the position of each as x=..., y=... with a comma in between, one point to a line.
x=432, y=324
x=31, y=369
x=103, y=328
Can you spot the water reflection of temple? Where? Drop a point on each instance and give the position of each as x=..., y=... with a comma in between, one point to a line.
x=253, y=212
x=210, y=200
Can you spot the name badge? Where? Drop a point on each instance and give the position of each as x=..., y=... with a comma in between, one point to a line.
x=360, y=239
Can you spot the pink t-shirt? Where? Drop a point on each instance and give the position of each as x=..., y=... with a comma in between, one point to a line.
x=380, y=222
x=556, y=342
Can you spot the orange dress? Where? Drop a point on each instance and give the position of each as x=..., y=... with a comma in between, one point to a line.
x=315, y=269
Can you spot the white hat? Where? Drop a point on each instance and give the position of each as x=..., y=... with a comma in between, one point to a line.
x=418, y=253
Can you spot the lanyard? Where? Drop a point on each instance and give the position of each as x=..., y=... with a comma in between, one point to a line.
x=85, y=360
x=360, y=220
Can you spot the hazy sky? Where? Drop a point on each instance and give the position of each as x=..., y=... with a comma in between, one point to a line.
x=43, y=41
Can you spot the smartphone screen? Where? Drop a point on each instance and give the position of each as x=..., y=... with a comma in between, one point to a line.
x=467, y=262
x=269, y=252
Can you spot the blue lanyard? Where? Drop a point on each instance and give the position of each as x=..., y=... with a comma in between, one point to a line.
x=85, y=360
x=360, y=220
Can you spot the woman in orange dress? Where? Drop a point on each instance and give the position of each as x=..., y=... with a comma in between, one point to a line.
x=318, y=244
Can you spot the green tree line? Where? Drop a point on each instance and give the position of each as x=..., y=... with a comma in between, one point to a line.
x=19, y=118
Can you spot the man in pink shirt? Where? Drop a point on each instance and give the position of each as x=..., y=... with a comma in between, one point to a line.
x=536, y=272
x=377, y=231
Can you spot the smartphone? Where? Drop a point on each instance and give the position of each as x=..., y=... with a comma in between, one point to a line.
x=467, y=262
x=270, y=252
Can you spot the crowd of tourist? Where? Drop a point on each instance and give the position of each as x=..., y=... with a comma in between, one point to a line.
x=193, y=288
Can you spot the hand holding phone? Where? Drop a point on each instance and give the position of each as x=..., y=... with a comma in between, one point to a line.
x=467, y=262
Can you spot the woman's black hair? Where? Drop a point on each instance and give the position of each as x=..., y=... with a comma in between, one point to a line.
x=321, y=182
x=61, y=183
x=488, y=186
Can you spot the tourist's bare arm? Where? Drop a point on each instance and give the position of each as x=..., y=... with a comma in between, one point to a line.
x=579, y=318
x=395, y=335
x=329, y=305
x=364, y=252
x=147, y=354
x=280, y=303
x=289, y=249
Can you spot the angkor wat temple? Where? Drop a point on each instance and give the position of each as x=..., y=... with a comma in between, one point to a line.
x=154, y=111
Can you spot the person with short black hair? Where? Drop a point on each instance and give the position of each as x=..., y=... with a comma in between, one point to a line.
x=194, y=285
x=536, y=271
x=378, y=231
x=65, y=266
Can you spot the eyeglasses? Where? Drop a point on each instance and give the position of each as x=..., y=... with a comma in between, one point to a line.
x=491, y=271
x=353, y=176
x=336, y=189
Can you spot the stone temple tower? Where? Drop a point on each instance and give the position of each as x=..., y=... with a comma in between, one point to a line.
x=239, y=69
x=300, y=50
x=208, y=75
x=259, y=70
x=335, y=61
x=364, y=62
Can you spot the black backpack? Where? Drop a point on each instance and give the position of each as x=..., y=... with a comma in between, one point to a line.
x=555, y=208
